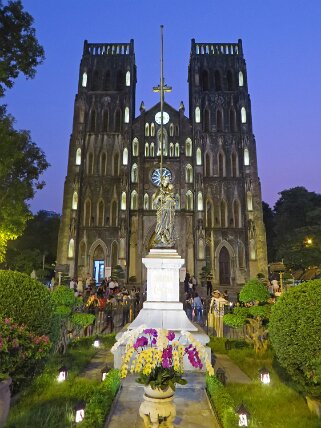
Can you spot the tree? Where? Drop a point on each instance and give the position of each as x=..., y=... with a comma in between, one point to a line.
x=295, y=326
x=298, y=228
x=36, y=246
x=21, y=164
x=269, y=223
x=20, y=50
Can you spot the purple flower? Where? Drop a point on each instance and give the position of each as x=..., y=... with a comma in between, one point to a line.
x=154, y=341
x=140, y=342
x=170, y=335
x=151, y=331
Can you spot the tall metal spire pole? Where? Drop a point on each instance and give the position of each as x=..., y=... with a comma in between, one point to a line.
x=161, y=98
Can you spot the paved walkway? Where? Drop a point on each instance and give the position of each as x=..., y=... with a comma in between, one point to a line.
x=232, y=372
x=192, y=406
x=102, y=358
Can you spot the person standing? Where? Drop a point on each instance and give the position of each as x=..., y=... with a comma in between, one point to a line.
x=209, y=286
x=198, y=307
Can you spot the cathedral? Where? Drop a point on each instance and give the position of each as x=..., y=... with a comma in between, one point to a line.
x=209, y=156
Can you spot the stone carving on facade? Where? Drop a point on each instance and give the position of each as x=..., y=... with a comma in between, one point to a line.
x=251, y=229
x=165, y=214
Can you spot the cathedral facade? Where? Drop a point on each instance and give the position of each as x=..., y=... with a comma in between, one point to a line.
x=113, y=172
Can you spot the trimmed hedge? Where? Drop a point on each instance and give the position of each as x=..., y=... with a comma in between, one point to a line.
x=295, y=327
x=222, y=402
x=253, y=291
x=26, y=301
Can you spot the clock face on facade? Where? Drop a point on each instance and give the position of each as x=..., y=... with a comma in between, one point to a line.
x=156, y=175
x=158, y=117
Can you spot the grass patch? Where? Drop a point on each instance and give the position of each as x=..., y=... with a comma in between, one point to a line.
x=51, y=404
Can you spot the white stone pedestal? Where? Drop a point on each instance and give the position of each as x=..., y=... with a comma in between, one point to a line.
x=162, y=308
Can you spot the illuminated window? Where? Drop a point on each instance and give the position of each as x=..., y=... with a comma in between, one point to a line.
x=128, y=78
x=123, y=201
x=146, y=149
x=198, y=156
x=152, y=129
x=146, y=201
x=171, y=130
x=126, y=117
x=152, y=150
x=146, y=129
x=134, y=174
x=78, y=156
x=246, y=157
x=189, y=174
x=71, y=248
x=135, y=147
x=243, y=115
x=133, y=200
x=171, y=150
x=125, y=156
x=74, y=201
x=189, y=201
x=84, y=80
x=249, y=201
x=200, y=201
x=197, y=115
x=176, y=150
x=188, y=147
x=241, y=81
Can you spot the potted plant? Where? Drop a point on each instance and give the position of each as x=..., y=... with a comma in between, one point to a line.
x=157, y=357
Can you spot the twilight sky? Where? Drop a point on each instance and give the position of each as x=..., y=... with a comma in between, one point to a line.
x=281, y=43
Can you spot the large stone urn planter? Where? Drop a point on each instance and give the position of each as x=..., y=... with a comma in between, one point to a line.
x=158, y=409
x=5, y=395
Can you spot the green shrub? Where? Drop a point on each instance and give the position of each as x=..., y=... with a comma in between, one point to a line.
x=222, y=402
x=295, y=327
x=234, y=320
x=253, y=291
x=82, y=320
x=21, y=352
x=26, y=301
x=101, y=400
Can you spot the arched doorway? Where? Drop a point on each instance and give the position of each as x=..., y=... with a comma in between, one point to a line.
x=99, y=264
x=224, y=263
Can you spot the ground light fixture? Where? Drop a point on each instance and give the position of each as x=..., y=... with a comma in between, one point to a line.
x=80, y=411
x=243, y=415
x=62, y=374
x=104, y=373
x=265, y=376
x=221, y=376
x=96, y=343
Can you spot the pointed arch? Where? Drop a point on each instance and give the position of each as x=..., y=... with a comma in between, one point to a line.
x=189, y=200
x=134, y=173
x=123, y=203
x=87, y=212
x=126, y=115
x=171, y=150
x=105, y=120
x=243, y=115
x=171, y=130
x=199, y=201
x=84, y=80
x=90, y=163
x=188, y=147
x=92, y=126
x=177, y=150
x=208, y=165
x=209, y=214
x=189, y=173
x=197, y=115
x=241, y=78
x=115, y=164
x=219, y=120
x=103, y=164
x=114, y=213
x=237, y=213
x=152, y=129
x=230, y=80
x=117, y=120
x=205, y=80
x=221, y=163
x=198, y=156
x=78, y=156
x=100, y=213
x=234, y=164
x=146, y=129
x=252, y=249
x=133, y=200
x=246, y=157
x=152, y=150
x=125, y=156
x=218, y=80
x=224, y=267
x=223, y=209
x=146, y=150
x=128, y=78
x=207, y=120
x=71, y=249
x=74, y=204
x=233, y=124
x=135, y=146
x=249, y=200
x=146, y=201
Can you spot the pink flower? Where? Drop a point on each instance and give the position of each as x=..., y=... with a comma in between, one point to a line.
x=140, y=342
x=170, y=335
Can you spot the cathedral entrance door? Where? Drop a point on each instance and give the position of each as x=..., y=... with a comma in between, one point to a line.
x=224, y=263
x=99, y=270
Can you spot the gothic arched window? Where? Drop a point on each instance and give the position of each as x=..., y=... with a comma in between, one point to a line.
x=120, y=81
x=252, y=250
x=90, y=167
x=113, y=216
x=134, y=173
x=105, y=120
x=176, y=150
x=123, y=201
x=241, y=80
x=128, y=78
x=171, y=130
x=233, y=125
x=223, y=214
x=100, y=213
x=152, y=129
x=206, y=122
x=199, y=201
x=78, y=156
x=243, y=115
x=246, y=157
x=152, y=150
x=237, y=214
x=188, y=147
x=249, y=199
x=198, y=156
x=146, y=129
x=103, y=164
x=125, y=156
x=171, y=150
x=118, y=120
x=221, y=164
x=87, y=213
x=146, y=149
x=189, y=201
x=219, y=120
x=189, y=174
x=207, y=165
x=135, y=147
x=209, y=214
x=126, y=117
x=95, y=83
x=84, y=80
x=71, y=248
x=74, y=204
x=146, y=201
x=234, y=165
x=197, y=115
x=133, y=200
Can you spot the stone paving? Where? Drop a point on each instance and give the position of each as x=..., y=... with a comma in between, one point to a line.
x=232, y=372
x=192, y=405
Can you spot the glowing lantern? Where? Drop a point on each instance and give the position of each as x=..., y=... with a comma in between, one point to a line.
x=80, y=412
x=104, y=373
x=62, y=374
x=265, y=376
x=96, y=343
x=243, y=416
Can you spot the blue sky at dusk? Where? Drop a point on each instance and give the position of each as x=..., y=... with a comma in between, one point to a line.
x=281, y=43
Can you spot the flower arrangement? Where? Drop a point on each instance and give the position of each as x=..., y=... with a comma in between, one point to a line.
x=157, y=356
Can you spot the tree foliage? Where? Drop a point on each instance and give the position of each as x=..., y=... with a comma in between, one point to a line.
x=20, y=51
x=295, y=327
x=254, y=291
x=26, y=301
